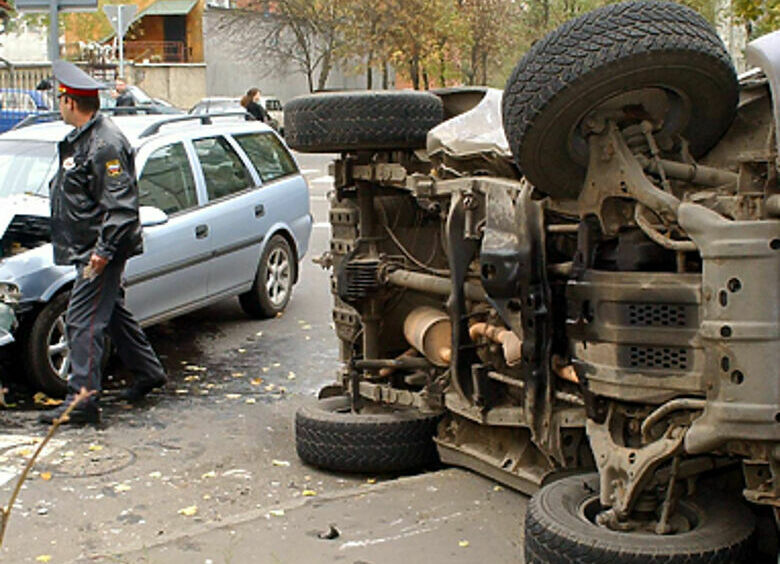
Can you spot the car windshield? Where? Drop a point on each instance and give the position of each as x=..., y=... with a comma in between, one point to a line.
x=26, y=166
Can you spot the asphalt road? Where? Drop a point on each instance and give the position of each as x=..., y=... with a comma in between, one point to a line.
x=206, y=470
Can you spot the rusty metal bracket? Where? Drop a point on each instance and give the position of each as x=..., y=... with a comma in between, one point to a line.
x=614, y=172
x=624, y=471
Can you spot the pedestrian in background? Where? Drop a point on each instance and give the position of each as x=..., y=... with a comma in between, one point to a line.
x=95, y=227
x=251, y=101
x=121, y=94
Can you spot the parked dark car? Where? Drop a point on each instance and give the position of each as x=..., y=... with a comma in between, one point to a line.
x=17, y=103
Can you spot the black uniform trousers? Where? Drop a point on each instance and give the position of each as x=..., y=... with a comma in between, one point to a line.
x=97, y=309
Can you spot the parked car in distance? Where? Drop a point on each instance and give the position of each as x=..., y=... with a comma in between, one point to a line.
x=141, y=99
x=225, y=212
x=17, y=103
x=273, y=106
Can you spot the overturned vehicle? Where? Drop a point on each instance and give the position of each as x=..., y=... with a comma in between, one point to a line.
x=585, y=305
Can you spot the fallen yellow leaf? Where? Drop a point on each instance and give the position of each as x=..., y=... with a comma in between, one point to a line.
x=251, y=401
x=371, y=481
x=291, y=375
x=277, y=512
x=232, y=396
x=256, y=381
x=276, y=462
x=43, y=558
x=95, y=448
x=42, y=399
x=24, y=452
x=463, y=543
x=45, y=476
x=192, y=378
x=119, y=488
x=276, y=364
x=155, y=474
x=241, y=351
x=238, y=374
x=308, y=493
x=209, y=474
x=305, y=327
x=188, y=511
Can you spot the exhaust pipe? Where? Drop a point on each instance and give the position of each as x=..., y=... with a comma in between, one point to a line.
x=429, y=331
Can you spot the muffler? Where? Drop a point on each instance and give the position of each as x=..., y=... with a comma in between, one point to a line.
x=429, y=331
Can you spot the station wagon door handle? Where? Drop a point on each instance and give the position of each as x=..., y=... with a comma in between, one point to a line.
x=201, y=231
x=259, y=210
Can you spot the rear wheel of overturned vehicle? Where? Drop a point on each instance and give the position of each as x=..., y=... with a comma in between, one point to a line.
x=560, y=527
x=273, y=283
x=633, y=61
x=365, y=121
x=46, y=348
x=380, y=439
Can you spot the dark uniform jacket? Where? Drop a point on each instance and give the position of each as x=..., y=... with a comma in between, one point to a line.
x=94, y=196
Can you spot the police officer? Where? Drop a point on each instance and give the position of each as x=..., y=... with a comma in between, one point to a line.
x=95, y=226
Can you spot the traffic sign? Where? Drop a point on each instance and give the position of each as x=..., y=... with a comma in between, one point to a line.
x=62, y=5
x=120, y=16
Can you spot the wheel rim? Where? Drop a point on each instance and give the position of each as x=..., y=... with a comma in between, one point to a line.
x=277, y=277
x=58, y=348
x=684, y=520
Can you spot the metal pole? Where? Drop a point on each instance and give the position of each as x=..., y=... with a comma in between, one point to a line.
x=54, y=31
x=121, y=42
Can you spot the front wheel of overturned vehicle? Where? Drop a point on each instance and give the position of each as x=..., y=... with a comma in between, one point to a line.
x=560, y=527
x=380, y=439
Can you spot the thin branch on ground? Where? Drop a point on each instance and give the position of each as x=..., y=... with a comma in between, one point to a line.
x=5, y=512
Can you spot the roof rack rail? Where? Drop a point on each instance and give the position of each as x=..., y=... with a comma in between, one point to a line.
x=205, y=119
x=52, y=115
x=135, y=110
x=37, y=118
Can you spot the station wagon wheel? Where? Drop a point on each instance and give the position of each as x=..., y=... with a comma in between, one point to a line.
x=46, y=348
x=273, y=283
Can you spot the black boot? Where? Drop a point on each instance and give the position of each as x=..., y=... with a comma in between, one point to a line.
x=141, y=388
x=84, y=413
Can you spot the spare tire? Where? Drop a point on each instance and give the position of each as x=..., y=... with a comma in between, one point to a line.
x=632, y=49
x=334, y=122
x=329, y=435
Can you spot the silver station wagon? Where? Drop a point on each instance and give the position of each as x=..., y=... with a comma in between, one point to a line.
x=224, y=209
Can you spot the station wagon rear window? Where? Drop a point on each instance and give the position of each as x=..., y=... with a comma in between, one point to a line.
x=267, y=154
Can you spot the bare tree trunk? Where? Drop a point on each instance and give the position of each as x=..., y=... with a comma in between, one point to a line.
x=369, y=73
x=414, y=72
x=442, y=67
x=324, y=70
x=426, y=85
x=385, y=76
x=484, y=68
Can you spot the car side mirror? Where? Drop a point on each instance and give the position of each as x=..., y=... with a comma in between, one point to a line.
x=150, y=216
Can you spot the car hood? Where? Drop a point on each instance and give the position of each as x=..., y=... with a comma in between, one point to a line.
x=21, y=205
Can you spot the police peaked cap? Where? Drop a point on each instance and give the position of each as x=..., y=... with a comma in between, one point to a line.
x=75, y=81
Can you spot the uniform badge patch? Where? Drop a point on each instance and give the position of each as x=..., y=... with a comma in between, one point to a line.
x=113, y=168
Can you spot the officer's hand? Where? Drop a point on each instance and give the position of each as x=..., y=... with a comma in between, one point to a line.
x=97, y=264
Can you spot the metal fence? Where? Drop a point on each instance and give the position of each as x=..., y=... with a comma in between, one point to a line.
x=25, y=76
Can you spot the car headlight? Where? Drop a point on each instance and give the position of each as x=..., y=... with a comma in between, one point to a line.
x=9, y=293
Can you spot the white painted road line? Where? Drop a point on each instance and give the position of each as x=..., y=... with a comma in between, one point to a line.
x=321, y=225
x=15, y=450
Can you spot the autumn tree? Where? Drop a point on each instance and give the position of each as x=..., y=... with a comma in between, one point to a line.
x=306, y=34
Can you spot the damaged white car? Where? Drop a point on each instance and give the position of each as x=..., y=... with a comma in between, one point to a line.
x=225, y=212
